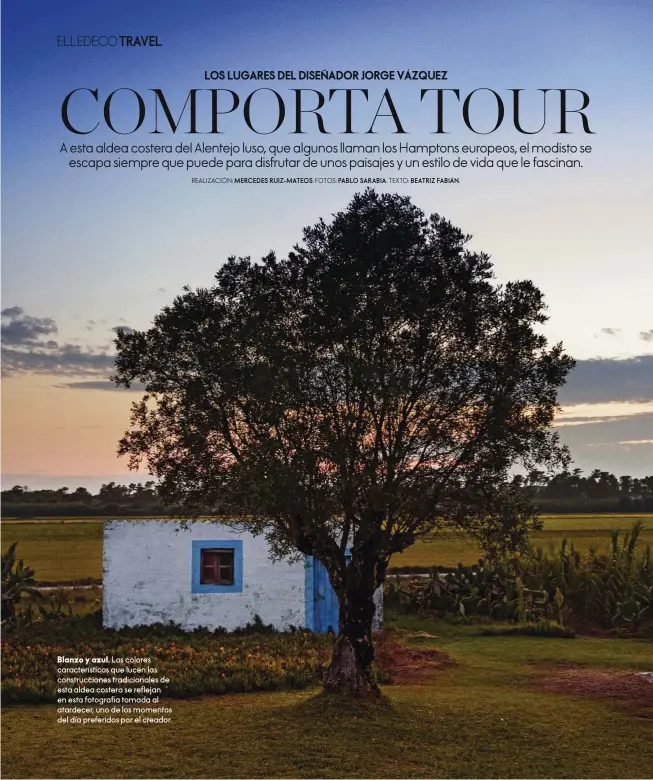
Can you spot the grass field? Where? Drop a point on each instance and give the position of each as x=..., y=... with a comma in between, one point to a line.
x=58, y=551
x=488, y=715
x=69, y=550
x=583, y=530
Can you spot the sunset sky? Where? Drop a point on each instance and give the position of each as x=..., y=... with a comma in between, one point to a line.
x=85, y=252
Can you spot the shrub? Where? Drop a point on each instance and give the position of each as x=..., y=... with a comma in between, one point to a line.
x=541, y=628
x=613, y=590
x=494, y=591
x=199, y=662
x=17, y=580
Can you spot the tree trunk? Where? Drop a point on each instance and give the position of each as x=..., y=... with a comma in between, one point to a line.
x=350, y=671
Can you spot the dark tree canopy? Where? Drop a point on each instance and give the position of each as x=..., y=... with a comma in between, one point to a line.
x=373, y=386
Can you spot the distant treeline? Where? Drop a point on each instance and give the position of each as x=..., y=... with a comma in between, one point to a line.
x=112, y=499
x=600, y=491
x=566, y=492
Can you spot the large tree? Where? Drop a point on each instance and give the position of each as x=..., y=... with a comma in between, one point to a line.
x=372, y=387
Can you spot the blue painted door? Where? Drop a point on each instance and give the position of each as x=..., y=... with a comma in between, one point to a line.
x=326, y=610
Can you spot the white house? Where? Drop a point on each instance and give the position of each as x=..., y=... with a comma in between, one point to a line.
x=210, y=575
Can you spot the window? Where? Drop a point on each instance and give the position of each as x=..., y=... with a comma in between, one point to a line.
x=216, y=567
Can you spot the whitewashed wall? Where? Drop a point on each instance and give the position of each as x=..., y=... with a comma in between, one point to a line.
x=148, y=570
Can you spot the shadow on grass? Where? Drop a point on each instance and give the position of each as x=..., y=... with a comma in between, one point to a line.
x=324, y=704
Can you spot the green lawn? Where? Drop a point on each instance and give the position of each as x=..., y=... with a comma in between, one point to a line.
x=68, y=550
x=482, y=717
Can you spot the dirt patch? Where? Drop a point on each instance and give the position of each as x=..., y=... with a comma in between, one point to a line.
x=411, y=665
x=626, y=689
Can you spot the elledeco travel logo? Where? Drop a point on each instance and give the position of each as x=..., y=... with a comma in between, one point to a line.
x=109, y=40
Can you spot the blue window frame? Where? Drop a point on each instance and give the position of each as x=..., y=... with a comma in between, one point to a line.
x=217, y=544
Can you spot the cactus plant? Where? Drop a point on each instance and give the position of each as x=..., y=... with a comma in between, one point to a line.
x=17, y=580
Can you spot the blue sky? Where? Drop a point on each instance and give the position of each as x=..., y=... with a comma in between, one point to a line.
x=92, y=250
